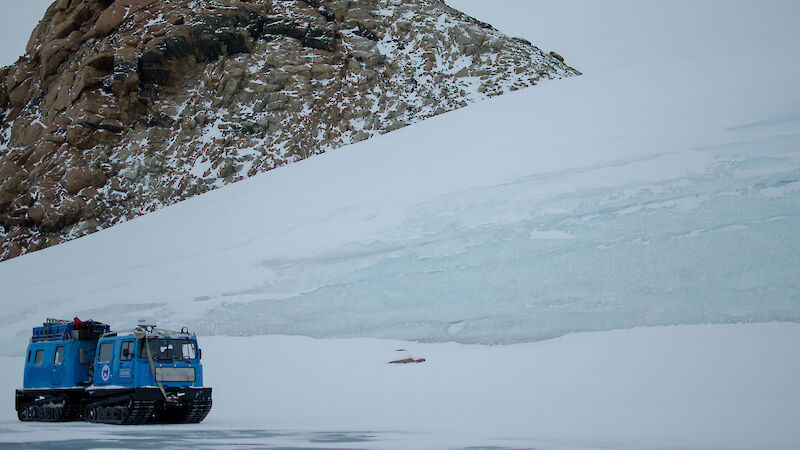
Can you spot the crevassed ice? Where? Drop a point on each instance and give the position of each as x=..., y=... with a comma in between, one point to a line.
x=553, y=254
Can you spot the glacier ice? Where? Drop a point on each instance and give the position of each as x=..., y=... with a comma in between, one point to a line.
x=537, y=258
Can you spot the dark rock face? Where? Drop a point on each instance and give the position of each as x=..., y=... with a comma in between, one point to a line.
x=283, y=27
x=320, y=39
x=121, y=107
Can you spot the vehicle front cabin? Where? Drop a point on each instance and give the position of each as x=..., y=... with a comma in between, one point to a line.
x=147, y=358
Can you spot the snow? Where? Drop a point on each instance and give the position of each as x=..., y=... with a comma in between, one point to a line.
x=584, y=224
x=5, y=134
x=710, y=386
x=549, y=234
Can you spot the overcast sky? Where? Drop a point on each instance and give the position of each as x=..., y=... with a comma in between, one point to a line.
x=643, y=31
x=640, y=36
x=17, y=21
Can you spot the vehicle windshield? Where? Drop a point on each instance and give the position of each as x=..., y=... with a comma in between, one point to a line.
x=169, y=349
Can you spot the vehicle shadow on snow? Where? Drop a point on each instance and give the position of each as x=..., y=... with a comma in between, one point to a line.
x=154, y=438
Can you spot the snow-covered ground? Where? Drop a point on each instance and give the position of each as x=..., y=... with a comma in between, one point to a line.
x=663, y=189
x=700, y=387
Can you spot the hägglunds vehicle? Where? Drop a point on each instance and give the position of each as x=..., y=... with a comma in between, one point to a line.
x=79, y=370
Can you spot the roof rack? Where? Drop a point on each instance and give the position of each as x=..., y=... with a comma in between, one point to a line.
x=151, y=332
x=63, y=330
x=51, y=321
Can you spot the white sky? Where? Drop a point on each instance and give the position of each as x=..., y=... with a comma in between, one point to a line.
x=641, y=35
x=642, y=31
x=17, y=21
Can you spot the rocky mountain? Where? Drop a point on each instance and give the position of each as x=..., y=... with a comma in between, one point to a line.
x=119, y=108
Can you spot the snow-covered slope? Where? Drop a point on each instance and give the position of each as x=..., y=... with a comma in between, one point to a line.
x=637, y=197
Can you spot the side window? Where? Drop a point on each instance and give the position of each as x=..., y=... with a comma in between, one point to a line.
x=188, y=350
x=29, y=356
x=58, y=358
x=82, y=356
x=39, y=358
x=106, y=350
x=126, y=351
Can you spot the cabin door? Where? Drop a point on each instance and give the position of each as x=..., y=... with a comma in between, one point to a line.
x=126, y=362
x=57, y=372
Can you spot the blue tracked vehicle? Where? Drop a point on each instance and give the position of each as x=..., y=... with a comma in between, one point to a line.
x=84, y=371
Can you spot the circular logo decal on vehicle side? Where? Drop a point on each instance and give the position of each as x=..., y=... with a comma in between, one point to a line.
x=105, y=373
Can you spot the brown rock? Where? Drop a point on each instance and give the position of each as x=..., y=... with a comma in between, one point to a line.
x=78, y=136
x=103, y=62
x=77, y=179
x=117, y=13
x=19, y=207
x=36, y=214
x=557, y=56
x=20, y=94
x=88, y=192
x=70, y=210
x=13, y=250
x=6, y=198
x=57, y=51
x=58, y=97
x=8, y=171
x=3, y=89
x=408, y=361
x=31, y=132
x=87, y=78
x=33, y=41
x=41, y=151
x=51, y=222
x=17, y=74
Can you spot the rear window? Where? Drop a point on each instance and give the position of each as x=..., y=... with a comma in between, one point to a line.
x=106, y=350
x=39, y=358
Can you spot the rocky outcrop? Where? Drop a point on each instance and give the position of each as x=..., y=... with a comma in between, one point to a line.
x=121, y=107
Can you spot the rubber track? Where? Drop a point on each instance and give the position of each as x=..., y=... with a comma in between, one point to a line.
x=140, y=412
x=71, y=411
x=198, y=411
x=63, y=412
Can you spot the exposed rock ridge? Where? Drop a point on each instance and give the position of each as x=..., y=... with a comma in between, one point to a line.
x=121, y=107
